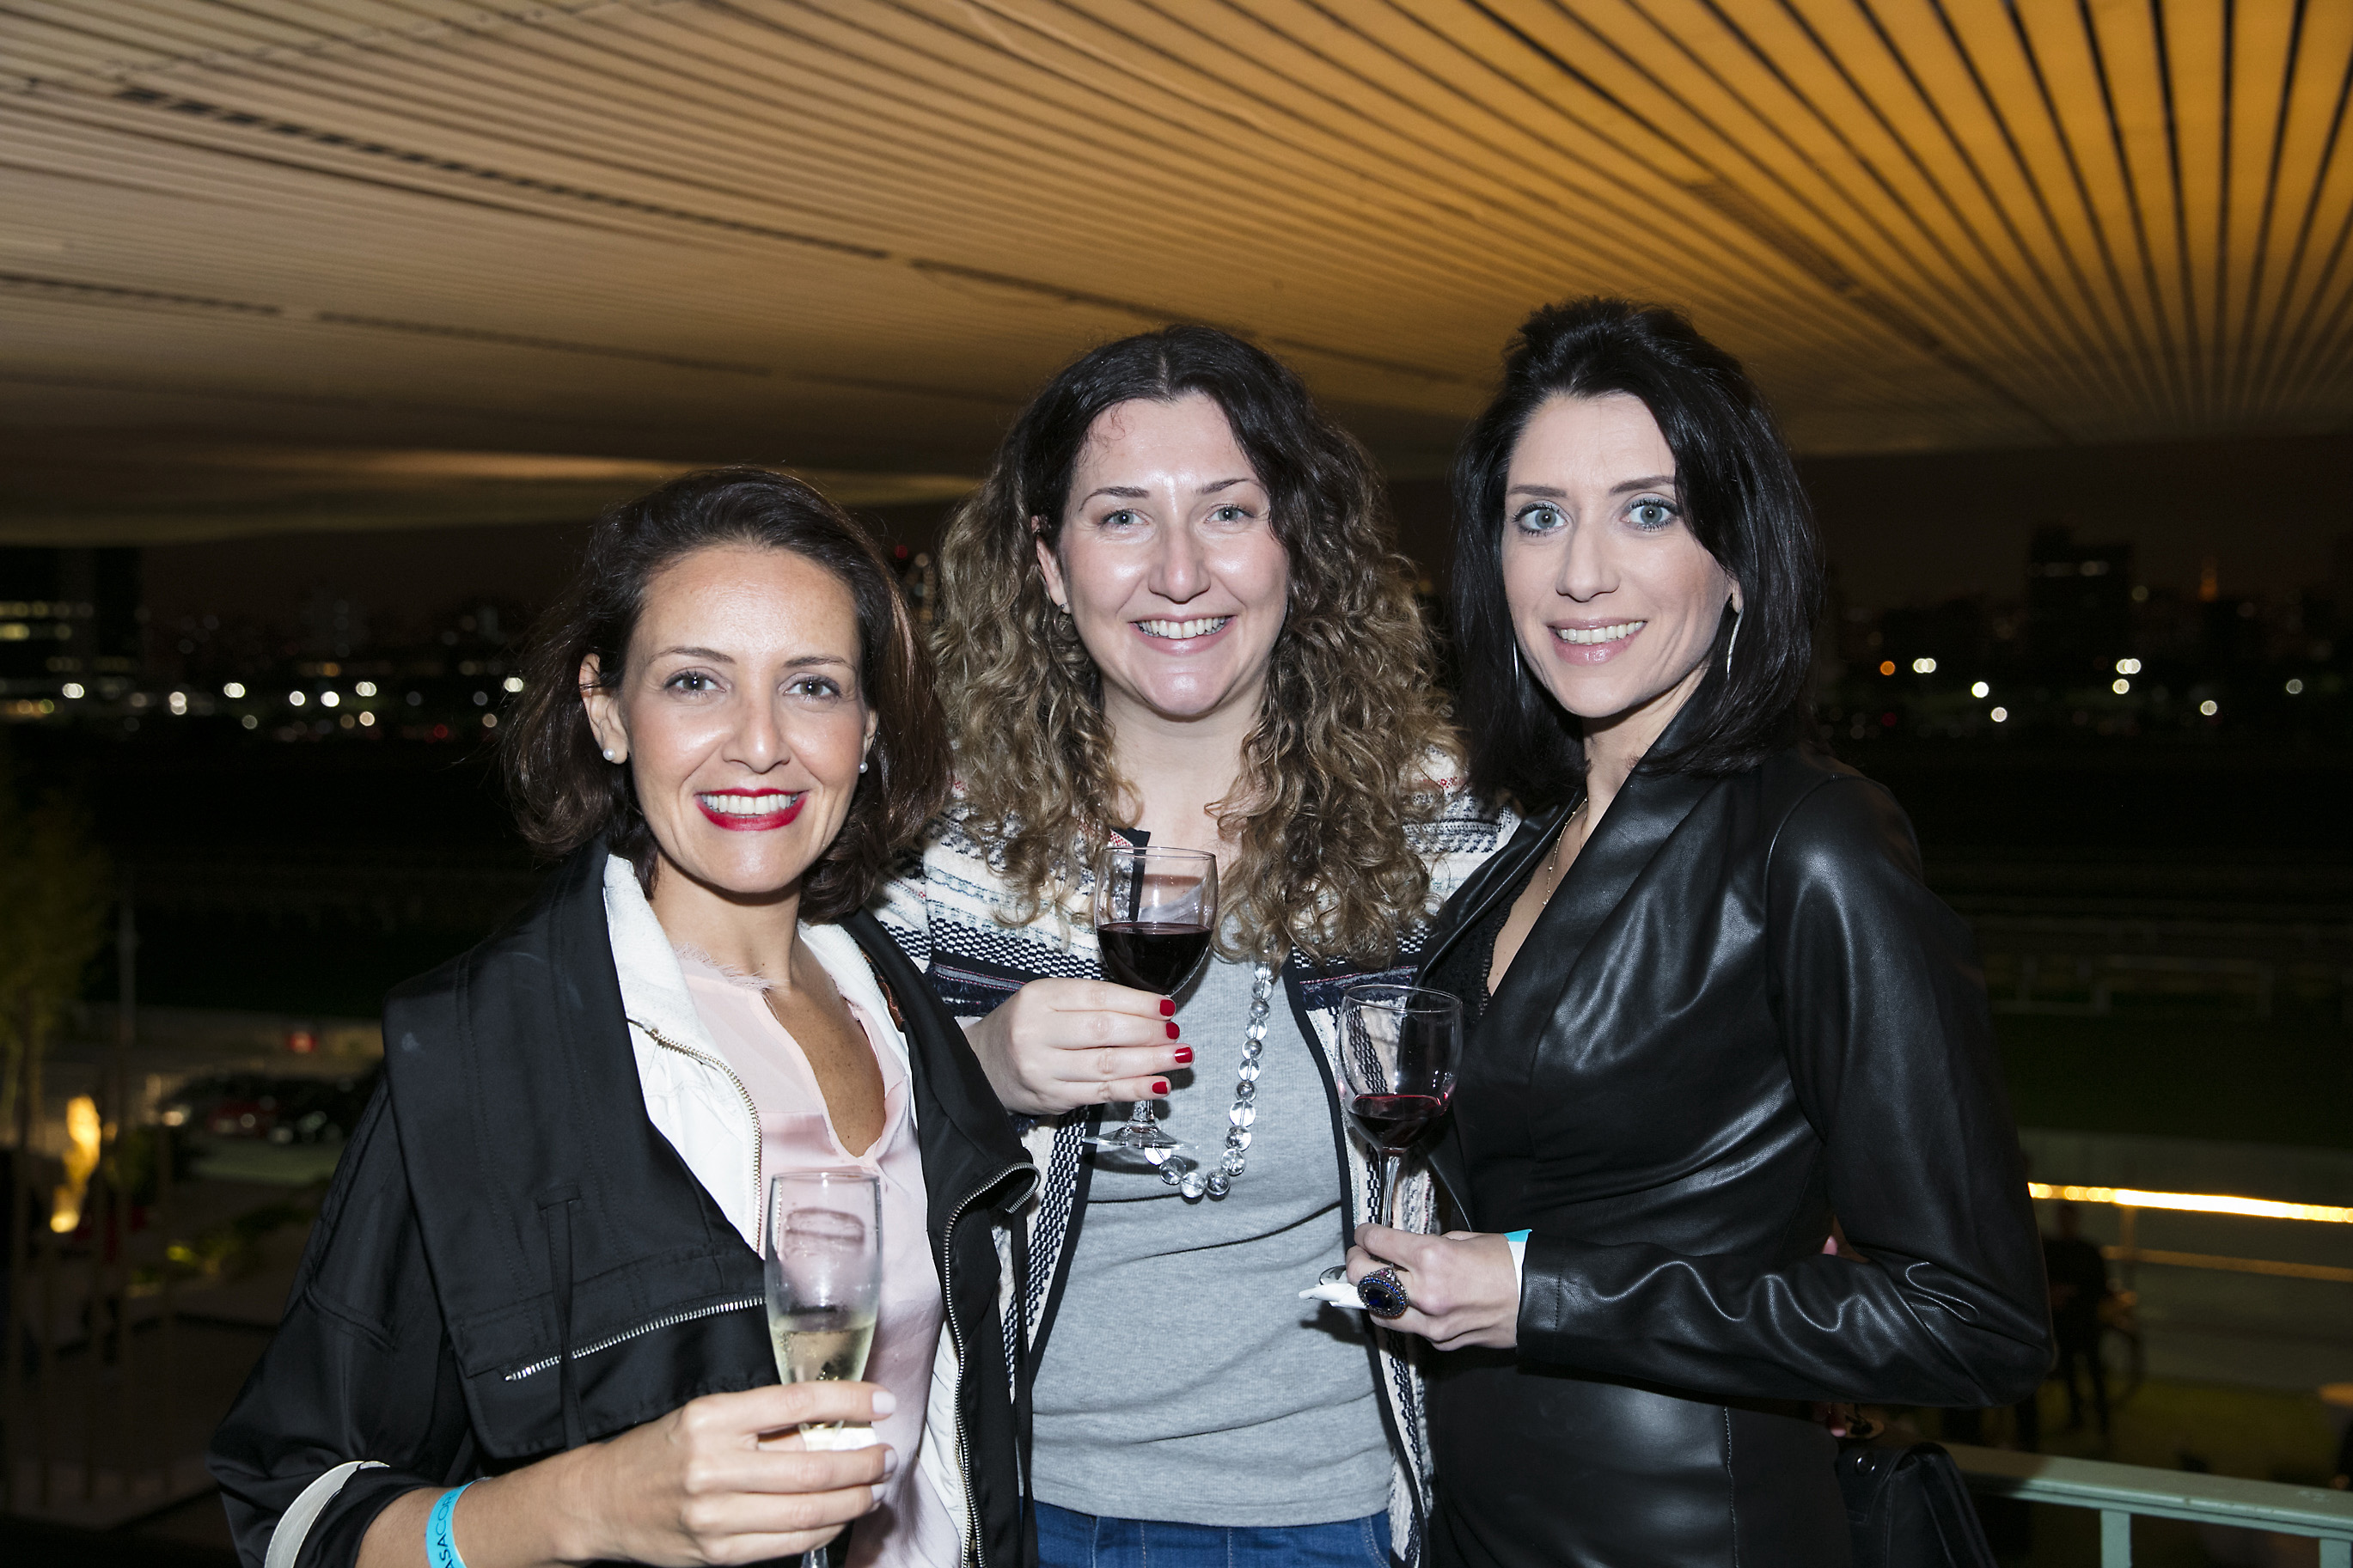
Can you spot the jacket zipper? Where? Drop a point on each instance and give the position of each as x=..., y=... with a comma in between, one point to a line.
x=671, y=1322
x=955, y=1338
x=759, y=1199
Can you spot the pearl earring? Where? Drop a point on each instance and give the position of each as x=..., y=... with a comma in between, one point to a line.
x=862, y=765
x=609, y=756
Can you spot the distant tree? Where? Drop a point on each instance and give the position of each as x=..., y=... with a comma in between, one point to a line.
x=56, y=887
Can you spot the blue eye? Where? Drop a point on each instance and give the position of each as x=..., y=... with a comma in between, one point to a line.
x=1650, y=513
x=1539, y=517
x=1122, y=518
x=1231, y=514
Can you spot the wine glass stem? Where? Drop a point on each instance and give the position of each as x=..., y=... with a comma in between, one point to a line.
x=1140, y=1116
x=1386, y=1165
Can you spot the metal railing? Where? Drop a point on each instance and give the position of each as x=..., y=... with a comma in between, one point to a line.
x=2121, y=1491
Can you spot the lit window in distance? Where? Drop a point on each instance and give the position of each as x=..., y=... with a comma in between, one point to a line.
x=73, y=688
x=330, y=700
x=1999, y=715
x=1980, y=690
x=2210, y=708
x=177, y=703
x=367, y=720
x=1923, y=666
x=1886, y=667
x=2120, y=686
x=514, y=683
x=233, y=690
x=2127, y=667
x=295, y=700
x=365, y=689
x=250, y=722
x=489, y=720
x=2295, y=687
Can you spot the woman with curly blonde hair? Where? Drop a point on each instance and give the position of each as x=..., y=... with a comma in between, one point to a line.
x=1174, y=615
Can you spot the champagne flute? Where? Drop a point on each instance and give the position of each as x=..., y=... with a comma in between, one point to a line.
x=1154, y=911
x=1399, y=1047
x=824, y=1270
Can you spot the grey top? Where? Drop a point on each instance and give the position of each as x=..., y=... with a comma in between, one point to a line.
x=1183, y=1378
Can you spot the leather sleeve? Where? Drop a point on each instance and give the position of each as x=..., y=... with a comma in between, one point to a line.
x=1882, y=1012
x=359, y=1371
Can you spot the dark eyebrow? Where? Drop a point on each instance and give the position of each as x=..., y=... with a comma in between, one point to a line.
x=1549, y=492
x=1654, y=482
x=713, y=655
x=1228, y=484
x=1127, y=493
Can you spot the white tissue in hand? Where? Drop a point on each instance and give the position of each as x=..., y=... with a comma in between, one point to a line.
x=1340, y=1293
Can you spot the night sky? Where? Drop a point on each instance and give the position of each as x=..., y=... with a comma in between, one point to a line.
x=1900, y=529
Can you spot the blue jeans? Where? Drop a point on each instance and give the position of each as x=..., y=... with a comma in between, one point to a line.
x=1068, y=1540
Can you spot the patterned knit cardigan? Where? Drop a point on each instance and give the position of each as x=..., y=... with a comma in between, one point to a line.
x=942, y=908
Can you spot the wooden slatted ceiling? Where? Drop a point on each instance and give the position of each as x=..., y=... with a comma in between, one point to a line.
x=856, y=232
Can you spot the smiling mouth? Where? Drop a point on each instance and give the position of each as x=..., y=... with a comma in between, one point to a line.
x=751, y=811
x=1583, y=635
x=1182, y=631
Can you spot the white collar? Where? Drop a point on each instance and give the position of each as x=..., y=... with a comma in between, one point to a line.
x=653, y=987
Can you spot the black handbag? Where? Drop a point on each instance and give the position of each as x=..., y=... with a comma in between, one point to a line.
x=1907, y=1507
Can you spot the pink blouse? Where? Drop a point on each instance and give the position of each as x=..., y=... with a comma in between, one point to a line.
x=912, y=1527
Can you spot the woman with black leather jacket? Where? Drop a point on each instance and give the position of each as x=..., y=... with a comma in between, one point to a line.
x=1715, y=1008
x=529, y=1327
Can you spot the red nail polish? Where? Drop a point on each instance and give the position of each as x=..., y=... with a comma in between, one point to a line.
x=1172, y=1031
x=1160, y=1086
x=1183, y=1055
x=1167, y=1008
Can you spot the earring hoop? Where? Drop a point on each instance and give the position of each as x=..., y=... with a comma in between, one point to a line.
x=1730, y=643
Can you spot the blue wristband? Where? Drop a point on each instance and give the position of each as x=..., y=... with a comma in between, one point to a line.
x=440, y=1548
x=1519, y=1235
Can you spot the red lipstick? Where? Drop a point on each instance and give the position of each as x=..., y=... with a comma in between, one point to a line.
x=753, y=821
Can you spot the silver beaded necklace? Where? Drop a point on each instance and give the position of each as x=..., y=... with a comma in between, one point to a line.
x=1177, y=1168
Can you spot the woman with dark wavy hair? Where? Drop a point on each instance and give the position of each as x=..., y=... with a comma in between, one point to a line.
x=1715, y=1007
x=1174, y=614
x=530, y=1326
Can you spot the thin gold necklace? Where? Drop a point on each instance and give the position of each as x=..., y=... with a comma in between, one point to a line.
x=1552, y=861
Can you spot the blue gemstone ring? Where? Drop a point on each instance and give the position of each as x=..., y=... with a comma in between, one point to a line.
x=1383, y=1294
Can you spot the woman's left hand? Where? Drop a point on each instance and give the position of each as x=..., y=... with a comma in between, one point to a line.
x=1464, y=1289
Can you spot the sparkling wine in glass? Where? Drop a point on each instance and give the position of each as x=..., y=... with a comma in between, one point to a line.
x=1155, y=912
x=824, y=1269
x=1399, y=1047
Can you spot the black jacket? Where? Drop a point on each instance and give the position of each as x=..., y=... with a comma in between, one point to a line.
x=1741, y=1014
x=512, y=1261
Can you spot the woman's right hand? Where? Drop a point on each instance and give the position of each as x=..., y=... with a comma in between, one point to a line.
x=722, y=1479
x=1062, y=1044
x=725, y=1478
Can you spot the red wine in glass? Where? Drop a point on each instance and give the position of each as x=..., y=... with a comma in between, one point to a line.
x=1155, y=910
x=1399, y=1046
x=1152, y=956
x=1391, y=1122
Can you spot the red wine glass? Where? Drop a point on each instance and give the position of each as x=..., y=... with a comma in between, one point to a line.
x=1399, y=1047
x=1154, y=912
